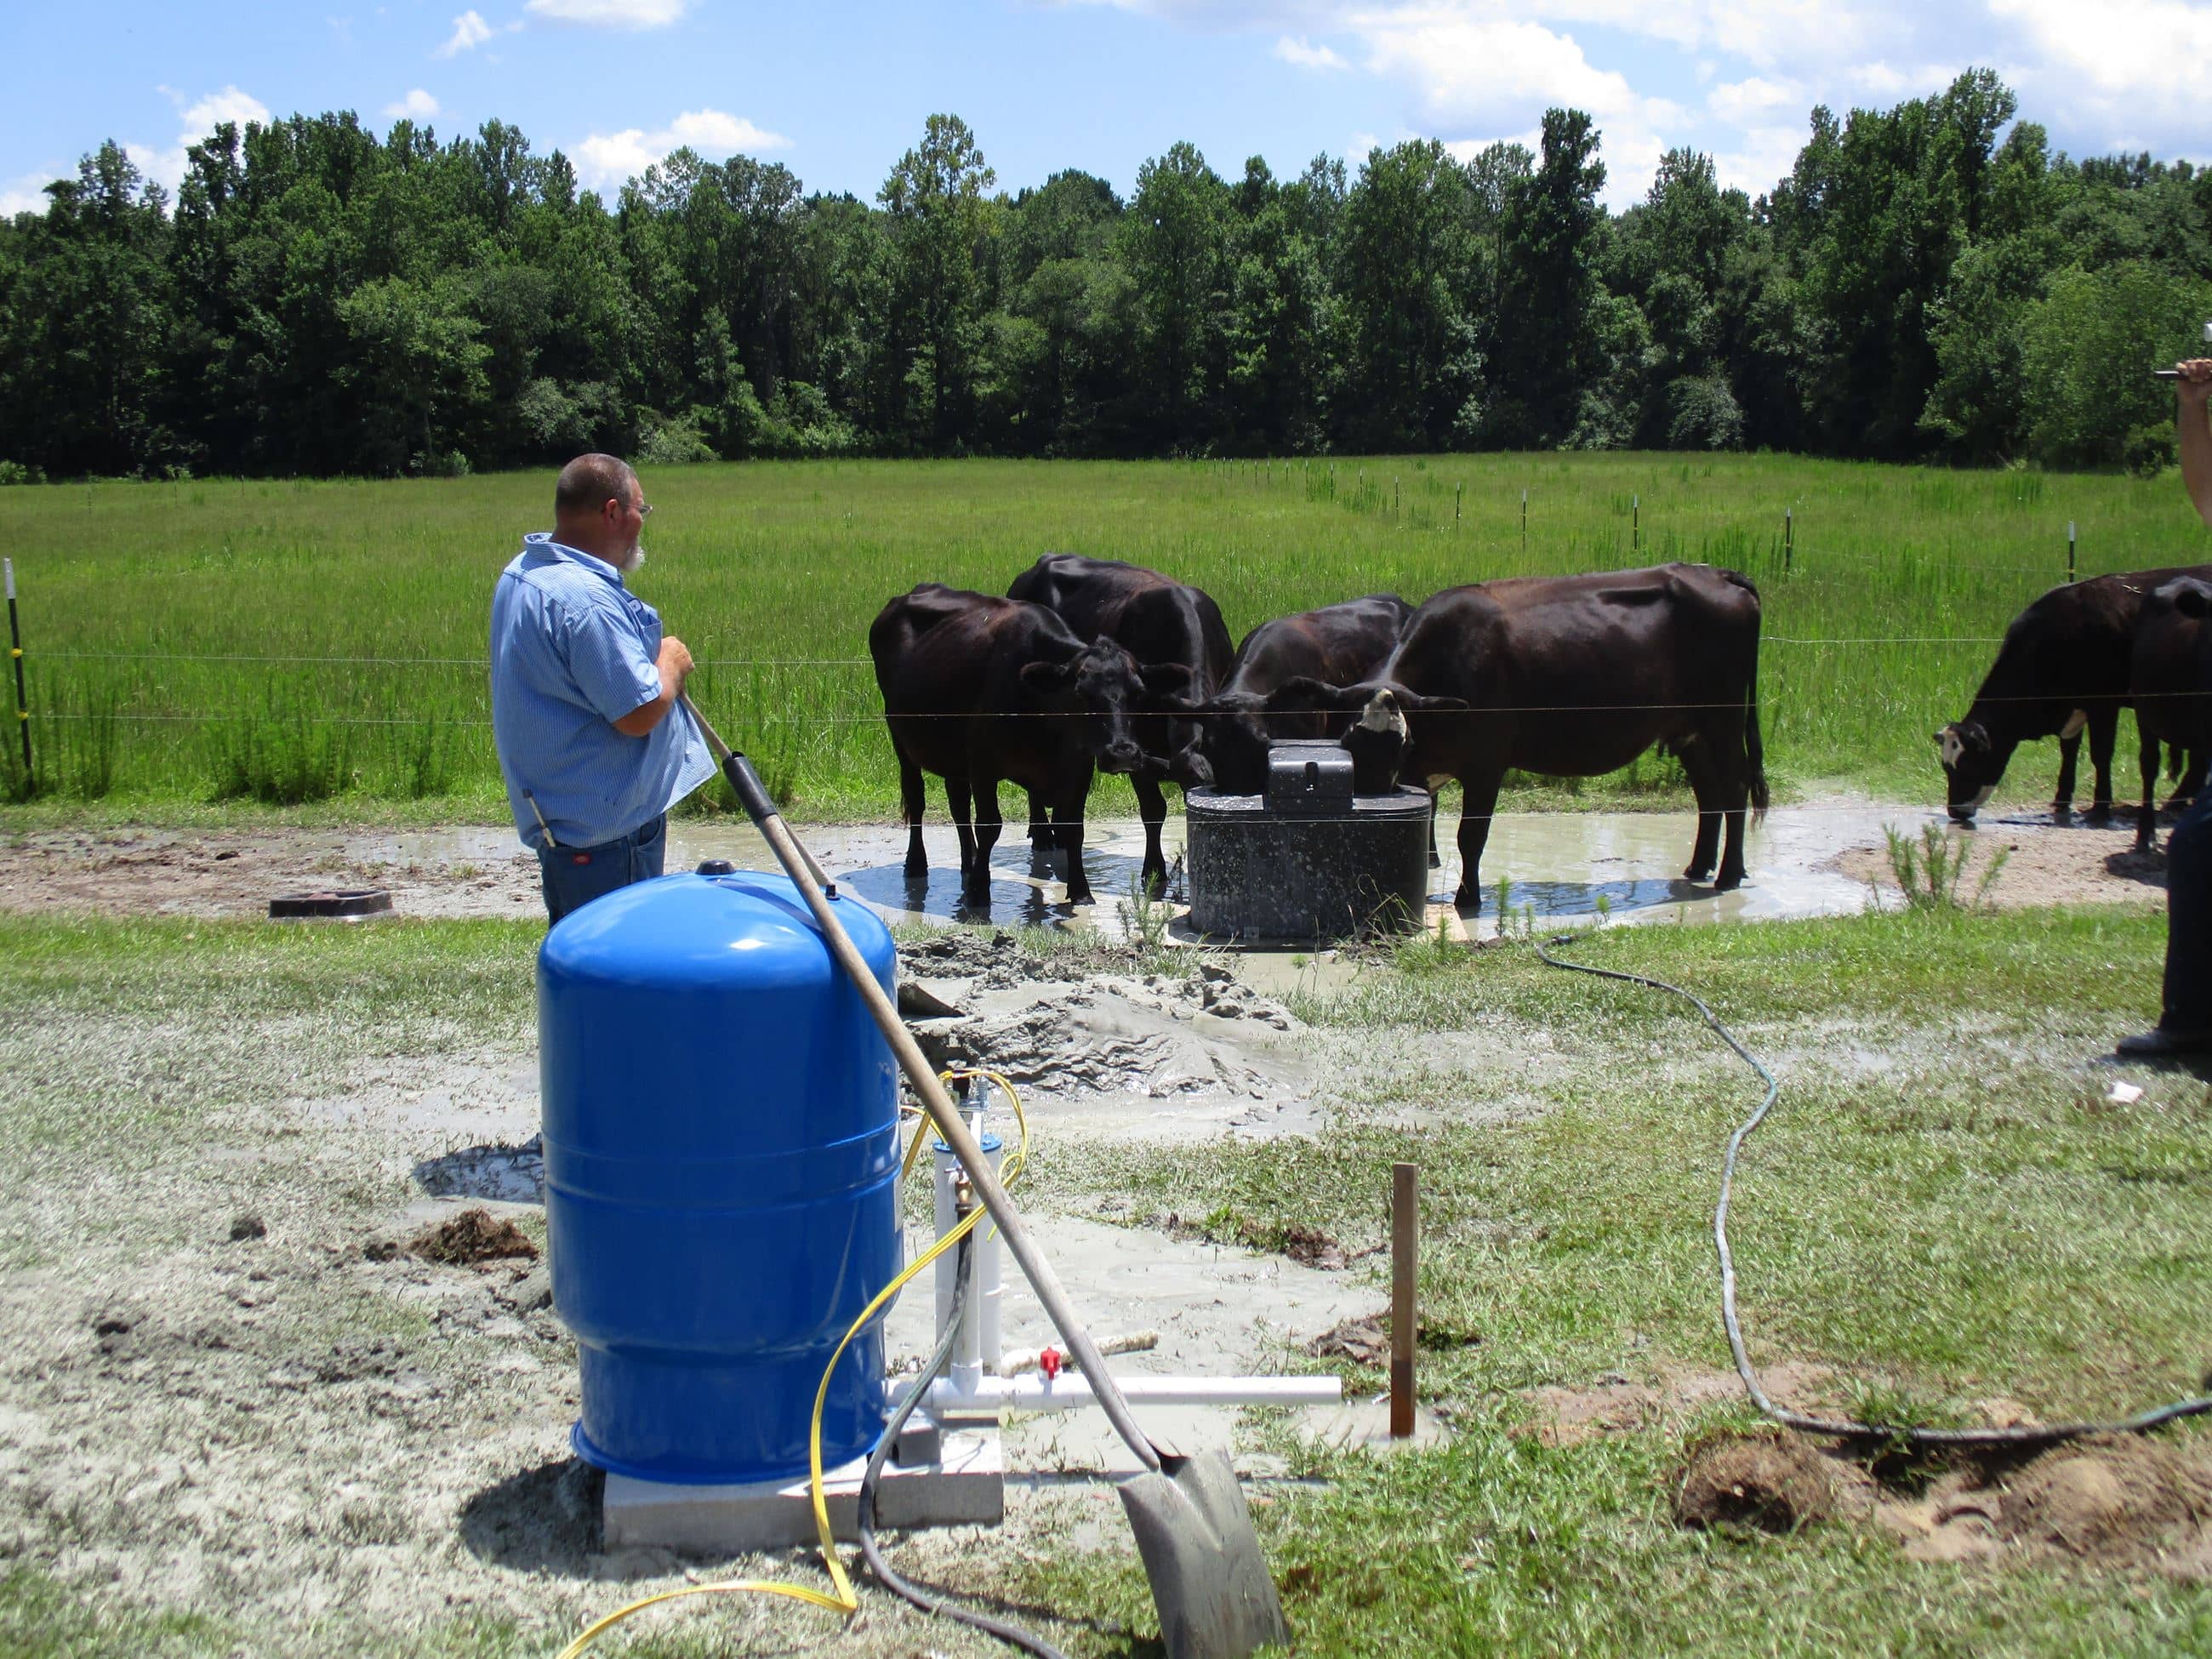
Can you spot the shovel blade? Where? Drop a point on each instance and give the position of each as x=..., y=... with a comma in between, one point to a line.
x=1209, y=1580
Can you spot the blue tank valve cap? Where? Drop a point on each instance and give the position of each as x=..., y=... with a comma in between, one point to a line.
x=717, y=867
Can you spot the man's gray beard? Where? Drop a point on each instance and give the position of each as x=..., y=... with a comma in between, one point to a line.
x=632, y=560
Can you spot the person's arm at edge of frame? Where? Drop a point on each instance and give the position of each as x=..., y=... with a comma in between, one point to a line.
x=2192, y=388
x=674, y=664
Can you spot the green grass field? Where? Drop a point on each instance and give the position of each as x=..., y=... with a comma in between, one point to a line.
x=218, y=640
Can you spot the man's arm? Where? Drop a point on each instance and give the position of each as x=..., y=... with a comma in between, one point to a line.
x=675, y=665
x=2190, y=392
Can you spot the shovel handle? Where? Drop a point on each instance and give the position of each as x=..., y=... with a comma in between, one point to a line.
x=923, y=1080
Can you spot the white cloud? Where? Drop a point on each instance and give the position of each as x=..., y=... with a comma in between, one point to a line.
x=1297, y=48
x=417, y=106
x=210, y=112
x=25, y=193
x=610, y=158
x=165, y=166
x=611, y=14
x=470, y=32
x=2121, y=71
x=1742, y=102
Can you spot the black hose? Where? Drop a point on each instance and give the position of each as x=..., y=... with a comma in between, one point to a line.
x=890, y=1580
x=2041, y=1434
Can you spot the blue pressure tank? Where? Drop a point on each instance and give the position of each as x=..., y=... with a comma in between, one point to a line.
x=721, y=1157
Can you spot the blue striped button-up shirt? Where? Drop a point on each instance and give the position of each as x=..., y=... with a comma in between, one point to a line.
x=572, y=650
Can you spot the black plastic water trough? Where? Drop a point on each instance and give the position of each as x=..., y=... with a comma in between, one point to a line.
x=1308, y=860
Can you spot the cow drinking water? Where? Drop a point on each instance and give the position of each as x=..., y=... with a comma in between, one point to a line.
x=1576, y=676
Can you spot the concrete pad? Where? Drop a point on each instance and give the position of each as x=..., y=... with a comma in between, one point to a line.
x=967, y=1487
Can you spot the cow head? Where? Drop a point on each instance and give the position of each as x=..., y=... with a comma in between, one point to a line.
x=1169, y=731
x=1378, y=743
x=1102, y=687
x=1233, y=734
x=1971, y=767
x=1380, y=737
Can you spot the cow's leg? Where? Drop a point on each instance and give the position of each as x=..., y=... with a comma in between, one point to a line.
x=957, y=801
x=2062, y=799
x=1478, y=805
x=1152, y=809
x=2103, y=730
x=2147, y=814
x=1696, y=763
x=1041, y=836
x=2193, y=783
x=988, y=827
x=912, y=796
x=1068, y=819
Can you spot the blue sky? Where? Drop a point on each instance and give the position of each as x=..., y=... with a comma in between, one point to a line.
x=836, y=93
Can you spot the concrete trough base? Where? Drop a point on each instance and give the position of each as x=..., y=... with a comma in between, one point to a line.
x=966, y=1487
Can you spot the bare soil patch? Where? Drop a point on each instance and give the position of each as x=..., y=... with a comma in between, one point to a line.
x=236, y=872
x=472, y=1236
x=2045, y=863
x=2129, y=1502
x=1776, y=1483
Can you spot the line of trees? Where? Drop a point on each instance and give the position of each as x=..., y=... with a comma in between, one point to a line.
x=1929, y=281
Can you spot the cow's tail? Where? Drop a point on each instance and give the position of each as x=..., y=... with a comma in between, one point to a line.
x=1754, y=750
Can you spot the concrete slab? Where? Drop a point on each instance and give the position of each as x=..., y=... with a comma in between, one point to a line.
x=966, y=1487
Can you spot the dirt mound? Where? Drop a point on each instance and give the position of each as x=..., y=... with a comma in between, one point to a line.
x=471, y=1237
x=2117, y=1501
x=1363, y=1342
x=1090, y=1024
x=1772, y=1482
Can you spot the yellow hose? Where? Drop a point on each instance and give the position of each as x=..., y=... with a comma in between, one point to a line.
x=843, y=1601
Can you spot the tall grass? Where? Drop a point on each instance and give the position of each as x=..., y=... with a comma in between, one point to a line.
x=284, y=641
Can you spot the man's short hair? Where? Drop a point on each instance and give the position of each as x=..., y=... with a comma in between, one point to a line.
x=590, y=482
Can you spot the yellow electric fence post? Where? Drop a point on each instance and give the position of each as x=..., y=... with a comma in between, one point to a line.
x=1405, y=1317
x=16, y=650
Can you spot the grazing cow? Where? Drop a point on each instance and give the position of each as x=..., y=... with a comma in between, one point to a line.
x=1166, y=625
x=2170, y=682
x=1339, y=645
x=977, y=688
x=1575, y=676
x=2061, y=671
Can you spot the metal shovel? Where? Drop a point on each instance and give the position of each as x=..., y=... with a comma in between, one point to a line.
x=1194, y=1532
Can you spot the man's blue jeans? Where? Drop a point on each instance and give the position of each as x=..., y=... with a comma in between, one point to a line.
x=575, y=876
x=2188, y=999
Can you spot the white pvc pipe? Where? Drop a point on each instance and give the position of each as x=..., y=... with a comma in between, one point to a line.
x=1070, y=1391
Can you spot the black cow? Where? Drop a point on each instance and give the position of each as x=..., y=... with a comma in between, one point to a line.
x=1339, y=645
x=977, y=688
x=2061, y=671
x=1166, y=625
x=1575, y=676
x=2170, y=682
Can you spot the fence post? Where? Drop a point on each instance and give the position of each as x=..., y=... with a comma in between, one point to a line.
x=1457, y=490
x=1395, y=500
x=1635, y=522
x=1405, y=1317
x=2069, y=549
x=1789, y=538
x=16, y=650
x=1524, y=520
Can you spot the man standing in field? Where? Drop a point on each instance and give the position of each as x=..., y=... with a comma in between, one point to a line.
x=2184, y=1020
x=584, y=694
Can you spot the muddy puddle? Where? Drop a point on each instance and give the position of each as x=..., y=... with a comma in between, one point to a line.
x=1816, y=859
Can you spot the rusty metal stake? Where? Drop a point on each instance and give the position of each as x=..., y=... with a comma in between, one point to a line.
x=1405, y=1318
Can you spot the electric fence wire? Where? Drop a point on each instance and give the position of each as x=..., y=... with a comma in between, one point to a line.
x=1889, y=1433
x=942, y=1606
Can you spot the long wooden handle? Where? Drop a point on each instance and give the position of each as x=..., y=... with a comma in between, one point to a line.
x=934, y=1100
